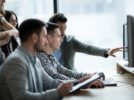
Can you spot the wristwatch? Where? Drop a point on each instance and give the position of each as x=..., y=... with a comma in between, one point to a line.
x=106, y=53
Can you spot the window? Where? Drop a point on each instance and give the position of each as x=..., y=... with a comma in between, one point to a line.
x=31, y=8
x=96, y=22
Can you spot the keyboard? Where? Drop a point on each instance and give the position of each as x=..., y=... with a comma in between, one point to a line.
x=109, y=82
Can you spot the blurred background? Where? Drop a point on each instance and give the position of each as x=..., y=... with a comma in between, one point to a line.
x=96, y=22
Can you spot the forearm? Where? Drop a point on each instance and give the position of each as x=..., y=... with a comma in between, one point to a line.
x=5, y=25
x=70, y=73
x=8, y=27
x=57, y=75
x=88, y=49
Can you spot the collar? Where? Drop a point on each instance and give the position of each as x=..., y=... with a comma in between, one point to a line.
x=29, y=55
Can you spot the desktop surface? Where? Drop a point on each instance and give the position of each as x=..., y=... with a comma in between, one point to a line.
x=124, y=91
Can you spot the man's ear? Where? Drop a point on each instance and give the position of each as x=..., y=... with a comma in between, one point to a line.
x=34, y=37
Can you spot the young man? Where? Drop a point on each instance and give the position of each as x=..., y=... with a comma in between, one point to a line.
x=70, y=45
x=51, y=64
x=22, y=76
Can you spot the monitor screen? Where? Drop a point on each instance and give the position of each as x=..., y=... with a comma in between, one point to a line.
x=130, y=40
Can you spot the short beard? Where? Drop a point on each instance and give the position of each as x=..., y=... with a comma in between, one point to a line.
x=37, y=47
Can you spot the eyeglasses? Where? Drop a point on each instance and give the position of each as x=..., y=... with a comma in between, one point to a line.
x=13, y=21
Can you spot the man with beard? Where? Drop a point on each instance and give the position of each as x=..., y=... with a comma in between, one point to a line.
x=22, y=76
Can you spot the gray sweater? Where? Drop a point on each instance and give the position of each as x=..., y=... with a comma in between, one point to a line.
x=22, y=78
x=70, y=46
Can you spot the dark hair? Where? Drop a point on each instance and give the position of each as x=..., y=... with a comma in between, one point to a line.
x=8, y=15
x=30, y=26
x=58, y=17
x=51, y=27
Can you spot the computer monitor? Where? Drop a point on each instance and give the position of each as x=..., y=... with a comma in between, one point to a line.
x=130, y=40
x=125, y=43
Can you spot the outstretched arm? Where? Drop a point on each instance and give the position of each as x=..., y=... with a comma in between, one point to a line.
x=111, y=52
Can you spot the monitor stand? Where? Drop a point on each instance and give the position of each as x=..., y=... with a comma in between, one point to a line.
x=123, y=68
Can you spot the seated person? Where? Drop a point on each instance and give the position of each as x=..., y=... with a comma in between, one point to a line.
x=11, y=17
x=26, y=78
x=70, y=45
x=22, y=76
x=51, y=64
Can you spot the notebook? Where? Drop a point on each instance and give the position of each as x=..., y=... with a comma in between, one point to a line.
x=87, y=82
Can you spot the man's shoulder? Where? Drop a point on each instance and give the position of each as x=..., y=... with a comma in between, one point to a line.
x=69, y=37
x=15, y=61
x=16, y=57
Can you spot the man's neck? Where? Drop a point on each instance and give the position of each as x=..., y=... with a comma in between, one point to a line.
x=29, y=48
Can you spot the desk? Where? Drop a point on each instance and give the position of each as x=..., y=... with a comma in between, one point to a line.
x=122, y=67
x=123, y=91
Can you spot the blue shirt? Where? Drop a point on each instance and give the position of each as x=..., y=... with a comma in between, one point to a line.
x=59, y=56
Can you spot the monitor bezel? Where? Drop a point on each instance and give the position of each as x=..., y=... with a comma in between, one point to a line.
x=130, y=38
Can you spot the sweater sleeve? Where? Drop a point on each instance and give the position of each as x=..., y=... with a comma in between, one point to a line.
x=87, y=48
